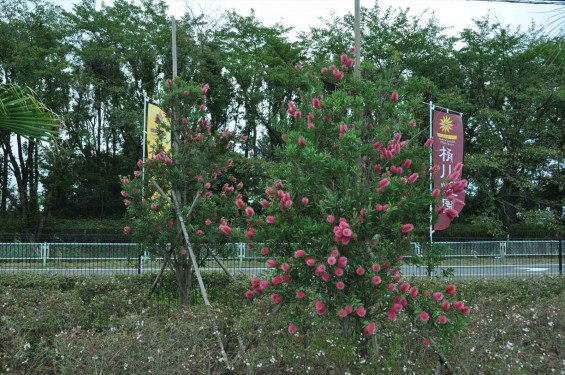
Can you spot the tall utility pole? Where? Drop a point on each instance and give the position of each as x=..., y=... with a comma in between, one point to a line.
x=357, y=28
x=174, y=32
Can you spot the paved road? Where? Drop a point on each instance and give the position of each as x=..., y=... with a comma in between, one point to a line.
x=460, y=272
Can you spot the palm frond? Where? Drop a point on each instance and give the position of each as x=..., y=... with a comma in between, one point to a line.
x=22, y=113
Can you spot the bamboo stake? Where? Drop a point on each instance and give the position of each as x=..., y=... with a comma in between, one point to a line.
x=195, y=263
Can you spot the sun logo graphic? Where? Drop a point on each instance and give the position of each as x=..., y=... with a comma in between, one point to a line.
x=446, y=124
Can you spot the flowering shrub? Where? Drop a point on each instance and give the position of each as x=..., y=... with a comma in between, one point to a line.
x=193, y=174
x=349, y=195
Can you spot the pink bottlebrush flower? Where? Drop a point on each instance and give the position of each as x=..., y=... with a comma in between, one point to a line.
x=407, y=228
x=271, y=263
x=339, y=272
x=391, y=287
x=407, y=163
x=361, y=312
x=276, y=280
x=299, y=253
x=127, y=229
x=276, y=298
x=458, y=305
x=324, y=70
x=344, y=57
x=370, y=330
x=340, y=285
x=442, y=319
x=124, y=194
x=436, y=193
x=394, y=96
x=424, y=316
x=239, y=203
x=184, y=120
x=451, y=213
x=300, y=294
x=326, y=277
x=413, y=177
x=360, y=271
x=139, y=163
x=350, y=62
x=208, y=222
x=183, y=252
x=249, y=294
x=305, y=201
x=342, y=262
x=346, y=233
x=384, y=182
x=125, y=181
x=265, y=203
x=292, y=329
x=412, y=123
x=240, y=185
x=343, y=128
x=205, y=88
x=250, y=233
x=301, y=141
x=342, y=313
x=271, y=219
x=202, y=107
x=397, y=307
x=348, y=309
x=288, y=203
x=265, y=251
x=427, y=343
x=319, y=305
x=199, y=232
x=465, y=310
x=391, y=315
x=154, y=206
x=326, y=118
x=311, y=125
x=298, y=114
x=332, y=260
x=376, y=280
x=316, y=103
x=334, y=252
x=320, y=269
x=136, y=173
x=284, y=137
x=249, y=211
x=445, y=305
x=298, y=67
x=405, y=287
x=330, y=219
x=310, y=116
x=225, y=228
x=429, y=142
x=207, y=185
x=127, y=202
x=451, y=290
x=199, y=179
x=310, y=262
x=376, y=267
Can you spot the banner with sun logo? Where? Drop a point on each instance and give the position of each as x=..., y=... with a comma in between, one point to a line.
x=448, y=152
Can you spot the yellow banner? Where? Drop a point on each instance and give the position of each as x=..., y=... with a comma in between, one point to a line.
x=152, y=129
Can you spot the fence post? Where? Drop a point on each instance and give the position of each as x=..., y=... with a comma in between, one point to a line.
x=241, y=254
x=45, y=252
x=560, y=256
x=139, y=264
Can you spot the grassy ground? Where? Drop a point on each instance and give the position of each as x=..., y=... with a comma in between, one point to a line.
x=106, y=325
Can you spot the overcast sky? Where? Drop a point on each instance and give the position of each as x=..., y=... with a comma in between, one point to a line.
x=301, y=14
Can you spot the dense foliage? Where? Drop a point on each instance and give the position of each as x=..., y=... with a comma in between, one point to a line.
x=94, y=65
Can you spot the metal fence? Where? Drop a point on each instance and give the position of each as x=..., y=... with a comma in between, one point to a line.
x=458, y=259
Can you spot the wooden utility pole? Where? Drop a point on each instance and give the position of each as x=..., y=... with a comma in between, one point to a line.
x=174, y=28
x=357, y=71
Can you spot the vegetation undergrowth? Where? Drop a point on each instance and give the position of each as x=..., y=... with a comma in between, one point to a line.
x=92, y=325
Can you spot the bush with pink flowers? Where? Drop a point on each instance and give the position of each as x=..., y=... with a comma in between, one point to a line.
x=194, y=172
x=349, y=195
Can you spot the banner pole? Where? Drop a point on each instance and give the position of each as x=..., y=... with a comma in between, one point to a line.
x=431, y=174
